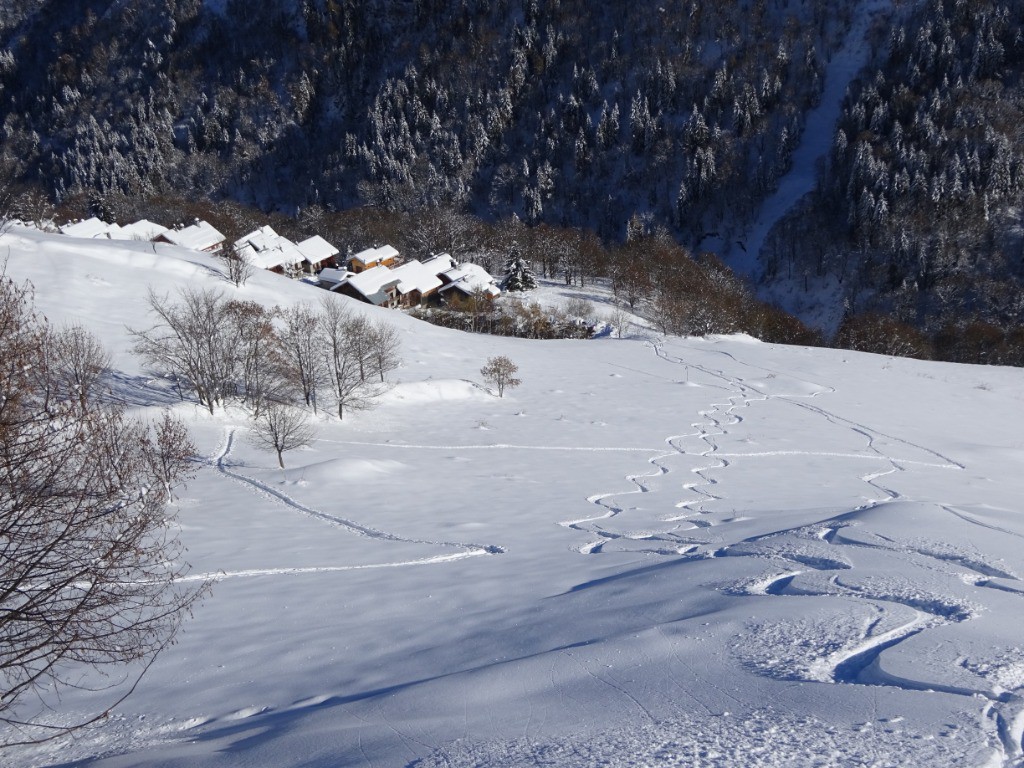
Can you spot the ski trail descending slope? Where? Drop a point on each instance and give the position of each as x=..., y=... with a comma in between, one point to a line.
x=653, y=529
x=815, y=141
x=817, y=561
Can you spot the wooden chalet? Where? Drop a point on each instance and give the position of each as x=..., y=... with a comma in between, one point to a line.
x=201, y=236
x=409, y=285
x=465, y=283
x=384, y=256
x=317, y=254
x=332, y=277
x=376, y=285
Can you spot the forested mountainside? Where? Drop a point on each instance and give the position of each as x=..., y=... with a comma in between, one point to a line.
x=918, y=215
x=628, y=119
x=564, y=111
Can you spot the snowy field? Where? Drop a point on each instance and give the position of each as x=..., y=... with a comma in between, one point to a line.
x=655, y=552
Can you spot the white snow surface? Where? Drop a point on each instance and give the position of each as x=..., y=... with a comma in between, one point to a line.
x=655, y=551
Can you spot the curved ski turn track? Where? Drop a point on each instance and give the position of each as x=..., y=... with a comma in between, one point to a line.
x=819, y=561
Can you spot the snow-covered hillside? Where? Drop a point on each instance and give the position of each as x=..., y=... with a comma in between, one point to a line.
x=656, y=551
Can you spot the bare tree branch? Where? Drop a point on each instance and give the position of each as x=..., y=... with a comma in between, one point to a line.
x=238, y=268
x=90, y=566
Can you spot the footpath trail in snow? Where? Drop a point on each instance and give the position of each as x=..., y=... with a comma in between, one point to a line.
x=221, y=462
x=714, y=423
x=815, y=142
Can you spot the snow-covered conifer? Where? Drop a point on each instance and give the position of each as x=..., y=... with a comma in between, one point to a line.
x=518, y=274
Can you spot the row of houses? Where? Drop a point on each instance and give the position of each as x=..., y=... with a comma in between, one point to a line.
x=413, y=283
x=266, y=249
x=377, y=276
x=201, y=236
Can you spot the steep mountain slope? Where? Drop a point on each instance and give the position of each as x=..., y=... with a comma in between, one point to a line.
x=558, y=111
x=705, y=121
x=918, y=212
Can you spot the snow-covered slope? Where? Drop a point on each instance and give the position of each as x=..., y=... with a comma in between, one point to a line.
x=661, y=551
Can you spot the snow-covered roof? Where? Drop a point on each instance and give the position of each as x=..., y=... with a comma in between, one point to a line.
x=373, y=283
x=416, y=276
x=332, y=276
x=200, y=236
x=315, y=249
x=261, y=239
x=88, y=228
x=468, y=278
x=440, y=263
x=268, y=250
x=140, y=230
x=375, y=255
x=411, y=276
x=284, y=254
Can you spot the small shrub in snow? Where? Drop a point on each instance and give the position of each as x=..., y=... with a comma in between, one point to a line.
x=580, y=309
x=500, y=372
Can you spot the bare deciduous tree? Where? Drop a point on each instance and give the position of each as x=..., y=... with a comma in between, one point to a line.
x=90, y=568
x=75, y=363
x=238, y=268
x=443, y=229
x=190, y=342
x=384, y=346
x=342, y=366
x=226, y=349
x=254, y=342
x=359, y=338
x=500, y=372
x=280, y=427
x=299, y=348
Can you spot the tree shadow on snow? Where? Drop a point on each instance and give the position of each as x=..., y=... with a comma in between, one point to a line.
x=138, y=391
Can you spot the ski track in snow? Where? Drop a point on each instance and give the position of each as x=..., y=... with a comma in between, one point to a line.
x=714, y=424
x=856, y=662
x=219, y=461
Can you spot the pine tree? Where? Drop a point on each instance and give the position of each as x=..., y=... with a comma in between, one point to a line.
x=518, y=274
